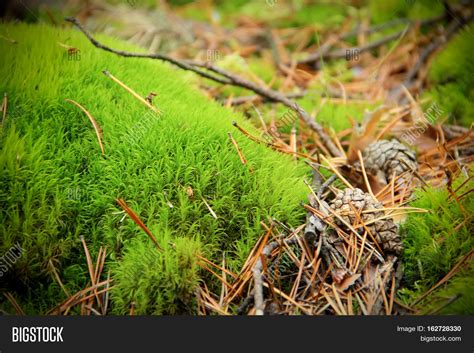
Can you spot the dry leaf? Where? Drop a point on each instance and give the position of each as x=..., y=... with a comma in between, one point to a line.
x=348, y=282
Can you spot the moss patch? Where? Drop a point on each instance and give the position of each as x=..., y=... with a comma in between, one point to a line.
x=452, y=77
x=57, y=186
x=434, y=243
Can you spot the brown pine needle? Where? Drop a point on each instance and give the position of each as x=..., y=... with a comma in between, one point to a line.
x=78, y=298
x=446, y=278
x=392, y=294
x=223, y=269
x=239, y=151
x=98, y=130
x=293, y=142
x=223, y=281
x=366, y=179
x=241, y=156
x=335, y=171
x=14, y=303
x=287, y=297
x=364, y=225
x=4, y=107
x=131, y=91
x=272, y=145
x=246, y=273
x=70, y=49
x=106, y=299
x=58, y=279
x=210, y=303
x=138, y=221
x=242, y=130
x=223, y=287
x=90, y=266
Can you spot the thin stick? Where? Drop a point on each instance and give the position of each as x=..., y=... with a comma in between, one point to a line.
x=176, y=62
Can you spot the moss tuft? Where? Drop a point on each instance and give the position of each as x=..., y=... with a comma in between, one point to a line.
x=157, y=282
x=452, y=77
x=435, y=242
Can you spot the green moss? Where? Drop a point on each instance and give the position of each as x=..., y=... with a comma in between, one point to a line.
x=279, y=12
x=157, y=282
x=452, y=76
x=455, y=298
x=56, y=186
x=435, y=242
x=318, y=15
x=384, y=11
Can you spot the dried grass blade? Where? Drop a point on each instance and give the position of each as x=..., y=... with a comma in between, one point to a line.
x=131, y=91
x=209, y=208
x=98, y=130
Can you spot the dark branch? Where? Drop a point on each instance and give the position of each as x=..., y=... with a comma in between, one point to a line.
x=223, y=77
x=181, y=64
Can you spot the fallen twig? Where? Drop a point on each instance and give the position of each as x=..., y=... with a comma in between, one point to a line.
x=229, y=78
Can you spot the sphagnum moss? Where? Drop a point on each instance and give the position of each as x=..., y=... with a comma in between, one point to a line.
x=56, y=185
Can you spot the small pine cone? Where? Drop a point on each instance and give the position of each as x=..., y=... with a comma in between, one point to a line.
x=388, y=157
x=385, y=230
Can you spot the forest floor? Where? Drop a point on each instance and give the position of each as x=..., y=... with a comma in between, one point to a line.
x=369, y=102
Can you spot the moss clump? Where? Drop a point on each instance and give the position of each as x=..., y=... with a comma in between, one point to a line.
x=452, y=77
x=157, y=282
x=384, y=11
x=434, y=243
x=56, y=186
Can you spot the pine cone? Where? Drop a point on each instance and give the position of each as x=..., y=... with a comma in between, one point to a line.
x=388, y=157
x=385, y=230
